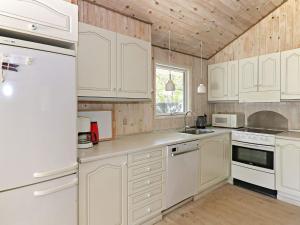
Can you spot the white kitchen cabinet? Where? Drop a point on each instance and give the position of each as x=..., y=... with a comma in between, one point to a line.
x=217, y=82
x=214, y=163
x=55, y=19
x=233, y=80
x=288, y=170
x=96, y=62
x=248, y=75
x=290, y=74
x=103, y=192
x=259, y=79
x=133, y=67
x=112, y=65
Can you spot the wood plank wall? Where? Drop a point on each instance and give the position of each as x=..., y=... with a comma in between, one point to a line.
x=139, y=117
x=279, y=31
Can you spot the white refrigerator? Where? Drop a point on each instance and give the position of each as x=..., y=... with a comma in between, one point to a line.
x=38, y=155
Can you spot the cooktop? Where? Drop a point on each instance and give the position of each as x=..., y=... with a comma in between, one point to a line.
x=260, y=131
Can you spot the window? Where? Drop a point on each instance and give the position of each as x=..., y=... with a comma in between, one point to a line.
x=171, y=102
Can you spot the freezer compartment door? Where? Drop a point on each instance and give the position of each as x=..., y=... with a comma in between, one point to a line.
x=38, y=109
x=49, y=203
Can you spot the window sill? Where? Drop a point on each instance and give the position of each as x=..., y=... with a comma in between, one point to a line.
x=168, y=116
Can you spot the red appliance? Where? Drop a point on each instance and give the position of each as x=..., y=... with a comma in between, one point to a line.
x=94, y=133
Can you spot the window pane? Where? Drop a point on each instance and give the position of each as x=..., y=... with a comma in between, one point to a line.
x=168, y=102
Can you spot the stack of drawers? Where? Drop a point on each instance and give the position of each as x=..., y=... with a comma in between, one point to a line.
x=146, y=185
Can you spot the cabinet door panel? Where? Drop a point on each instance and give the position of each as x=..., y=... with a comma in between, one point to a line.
x=96, y=62
x=103, y=192
x=269, y=72
x=217, y=82
x=233, y=80
x=288, y=168
x=290, y=74
x=248, y=75
x=133, y=67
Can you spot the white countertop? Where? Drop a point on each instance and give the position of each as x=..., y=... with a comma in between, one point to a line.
x=133, y=143
x=290, y=135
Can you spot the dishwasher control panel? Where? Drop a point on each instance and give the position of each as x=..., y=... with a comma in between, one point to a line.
x=183, y=147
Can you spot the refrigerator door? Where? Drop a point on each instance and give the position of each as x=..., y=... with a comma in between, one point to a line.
x=38, y=109
x=49, y=203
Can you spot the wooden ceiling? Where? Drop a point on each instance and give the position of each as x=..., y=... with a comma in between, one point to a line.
x=215, y=22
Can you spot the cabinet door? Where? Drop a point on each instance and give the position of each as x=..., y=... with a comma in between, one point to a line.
x=133, y=67
x=248, y=75
x=214, y=161
x=269, y=72
x=103, y=192
x=233, y=80
x=217, y=82
x=290, y=74
x=51, y=19
x=96, y=62
x=288, y=167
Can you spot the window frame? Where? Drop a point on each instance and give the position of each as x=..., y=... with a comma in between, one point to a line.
x=186, y=102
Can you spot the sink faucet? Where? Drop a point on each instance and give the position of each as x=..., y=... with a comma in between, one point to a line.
x=185, y=122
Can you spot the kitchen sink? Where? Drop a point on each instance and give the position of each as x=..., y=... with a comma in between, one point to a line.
x=197, y=131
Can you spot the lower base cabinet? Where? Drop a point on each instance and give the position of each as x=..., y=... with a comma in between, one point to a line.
x=214, y=161
x=103, y=192
x=288, y=170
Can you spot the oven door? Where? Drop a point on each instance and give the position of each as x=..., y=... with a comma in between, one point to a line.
x=255, y=155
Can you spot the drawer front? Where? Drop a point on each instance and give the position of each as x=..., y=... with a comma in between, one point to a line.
x=145, y=170
x=143, y=213
x=144, y=157
x=145, y=183
x=52, y=19
x=146, y=196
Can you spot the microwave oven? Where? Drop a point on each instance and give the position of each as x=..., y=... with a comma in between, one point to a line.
x=229, y=120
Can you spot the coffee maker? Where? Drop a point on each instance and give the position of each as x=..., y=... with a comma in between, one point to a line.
x=84, y=133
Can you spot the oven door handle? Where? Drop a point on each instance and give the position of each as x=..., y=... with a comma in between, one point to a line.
x=254, y=146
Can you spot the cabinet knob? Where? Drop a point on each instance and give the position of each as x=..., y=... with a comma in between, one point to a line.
x=148, y=156
x=148, y=169
x=148, y=195
x=149, y=210
x=33, y=27
x=148, y=182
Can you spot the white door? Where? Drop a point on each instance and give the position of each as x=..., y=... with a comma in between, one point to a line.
x=214, y=161
x=38, y=108
x=133, y=67
x=288, y=167
x=96, y=67
x=233, y=80
x=217, y=82
x=290, y=74
x=48, y=203
x=51, y=19
x=103, y=192
x=248, y=75
x=269, y=72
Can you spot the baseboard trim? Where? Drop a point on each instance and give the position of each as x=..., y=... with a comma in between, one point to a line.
x=207, y=191
x=288, y=198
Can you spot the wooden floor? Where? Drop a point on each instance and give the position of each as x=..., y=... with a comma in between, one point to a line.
x=230, y=205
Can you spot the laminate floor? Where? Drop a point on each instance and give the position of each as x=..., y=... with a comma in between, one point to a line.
x=231, y=205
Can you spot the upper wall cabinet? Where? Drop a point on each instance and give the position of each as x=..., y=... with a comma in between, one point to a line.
x=259, y=79
x=133, y=67
x=223, y=81
x=290, y=74
x=97, y=62
x=112, y=65
x=55, y=19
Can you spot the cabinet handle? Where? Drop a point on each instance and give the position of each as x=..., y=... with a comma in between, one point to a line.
x=148, y=195
x=33, y=27
x=148, y=156
x=149, y=210
x=148, y=169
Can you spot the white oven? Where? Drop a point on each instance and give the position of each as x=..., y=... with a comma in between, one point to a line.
x=230, y=120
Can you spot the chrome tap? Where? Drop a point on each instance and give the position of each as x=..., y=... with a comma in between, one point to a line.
x=185, y=116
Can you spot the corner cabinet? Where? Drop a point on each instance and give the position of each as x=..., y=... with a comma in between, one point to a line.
x=55, y=19
x=214, y=161
x=103, y=192
x=223, y=81
x=288, y=170
x=290, y=74
x=112, y=65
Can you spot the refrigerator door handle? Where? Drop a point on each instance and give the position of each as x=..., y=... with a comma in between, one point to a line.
x=56, y=172
x=56, y=189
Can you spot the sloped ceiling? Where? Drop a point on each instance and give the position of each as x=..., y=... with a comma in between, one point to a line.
x=214, y=22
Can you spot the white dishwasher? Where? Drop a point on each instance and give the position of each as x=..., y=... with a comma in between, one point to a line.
x=182, y=167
